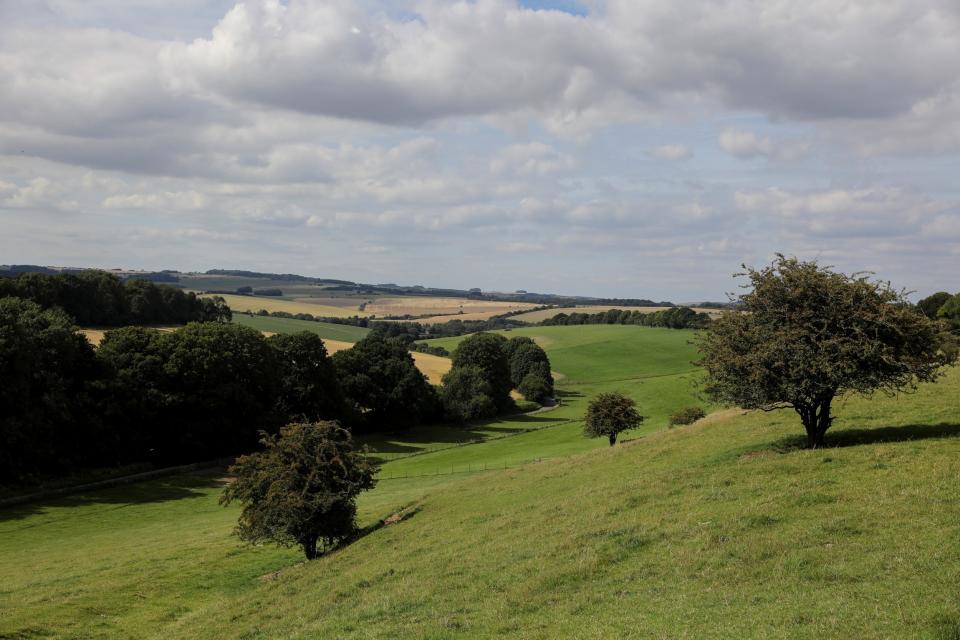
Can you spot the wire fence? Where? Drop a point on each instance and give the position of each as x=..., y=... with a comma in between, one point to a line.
x=450, y=470
x=390, y=456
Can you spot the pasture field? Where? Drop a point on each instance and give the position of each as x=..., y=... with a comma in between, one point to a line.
x=539, y=316
x=725, y=528
x=326, y=330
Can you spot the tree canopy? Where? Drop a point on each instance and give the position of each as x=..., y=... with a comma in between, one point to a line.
x=301, y=489
x=380, y=380
x=486, y=352
x=46, y=368
x=930, y=305
x=806, y=334
x=609, y=414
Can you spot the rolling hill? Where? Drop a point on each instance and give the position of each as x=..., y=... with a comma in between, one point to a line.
x=725, y=528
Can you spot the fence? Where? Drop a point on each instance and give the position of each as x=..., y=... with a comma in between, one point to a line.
x=387, y=456
x=454, y=470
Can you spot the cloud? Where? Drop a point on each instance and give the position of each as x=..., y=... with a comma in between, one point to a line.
x=303, y=132
x=861, y=212
x=672, y=152
x=531, y=159
x=520, y=247
x=744, y=144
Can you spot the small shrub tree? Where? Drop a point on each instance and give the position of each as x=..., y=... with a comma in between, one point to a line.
x=807, y=334
x=688, y=415
x=608, y=414
x=301, y=489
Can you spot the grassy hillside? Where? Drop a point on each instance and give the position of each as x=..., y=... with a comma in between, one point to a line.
x=721, y=529
x=326, y=330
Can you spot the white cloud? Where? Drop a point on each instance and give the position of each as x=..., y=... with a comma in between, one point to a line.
x=531, y=159
x=672, y=152
x=744, y=144
x=299, y=133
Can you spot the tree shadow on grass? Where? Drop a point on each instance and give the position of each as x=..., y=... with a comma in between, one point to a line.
x=447, y=435
x=178, y=487
x=853, y=437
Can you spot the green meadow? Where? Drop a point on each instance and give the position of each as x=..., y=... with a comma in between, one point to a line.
x=725, y=528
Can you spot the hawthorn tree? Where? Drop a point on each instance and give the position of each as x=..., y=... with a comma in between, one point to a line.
x=804, y=334
x=301, y=489
x=610, y=413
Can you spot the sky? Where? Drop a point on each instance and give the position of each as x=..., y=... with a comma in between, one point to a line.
x=630, y=148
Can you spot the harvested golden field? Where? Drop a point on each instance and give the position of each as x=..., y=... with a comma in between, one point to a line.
x=538, y=316
x=439, y=309
x=336, y=345
x=240, y=304
x=432, y=366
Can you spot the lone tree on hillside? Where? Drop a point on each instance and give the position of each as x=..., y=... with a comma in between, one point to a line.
x=301, y=489
x=805, y=334
x=610, y=413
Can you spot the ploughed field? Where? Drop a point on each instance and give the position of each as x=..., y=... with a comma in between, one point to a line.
x=725, y=528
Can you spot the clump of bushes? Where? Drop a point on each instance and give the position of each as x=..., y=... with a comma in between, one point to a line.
x=687, y=415
x=535, y=387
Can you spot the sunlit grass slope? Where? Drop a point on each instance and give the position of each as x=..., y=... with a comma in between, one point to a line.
x=721, y=529
x=718, y=530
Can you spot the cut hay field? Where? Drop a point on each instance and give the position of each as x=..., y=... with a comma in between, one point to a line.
x=721, y=529
x=436, y=308
x=253, y=304
x=540, y=316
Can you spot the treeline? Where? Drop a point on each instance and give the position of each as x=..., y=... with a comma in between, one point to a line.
x=673, y=318
x=408, y=330
x=102, y=299
x=206, y=390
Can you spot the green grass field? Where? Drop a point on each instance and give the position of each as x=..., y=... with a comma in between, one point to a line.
x=330, y=331
x=722, y=529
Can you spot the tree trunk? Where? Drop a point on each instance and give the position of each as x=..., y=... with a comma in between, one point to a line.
x=816, y=420
x=309, y=548
x=613, y=439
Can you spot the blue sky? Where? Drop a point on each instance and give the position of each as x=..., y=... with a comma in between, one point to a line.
x=641, y=148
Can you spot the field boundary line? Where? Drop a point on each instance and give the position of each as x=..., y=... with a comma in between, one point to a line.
x=113, y=482
x=472, y=442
